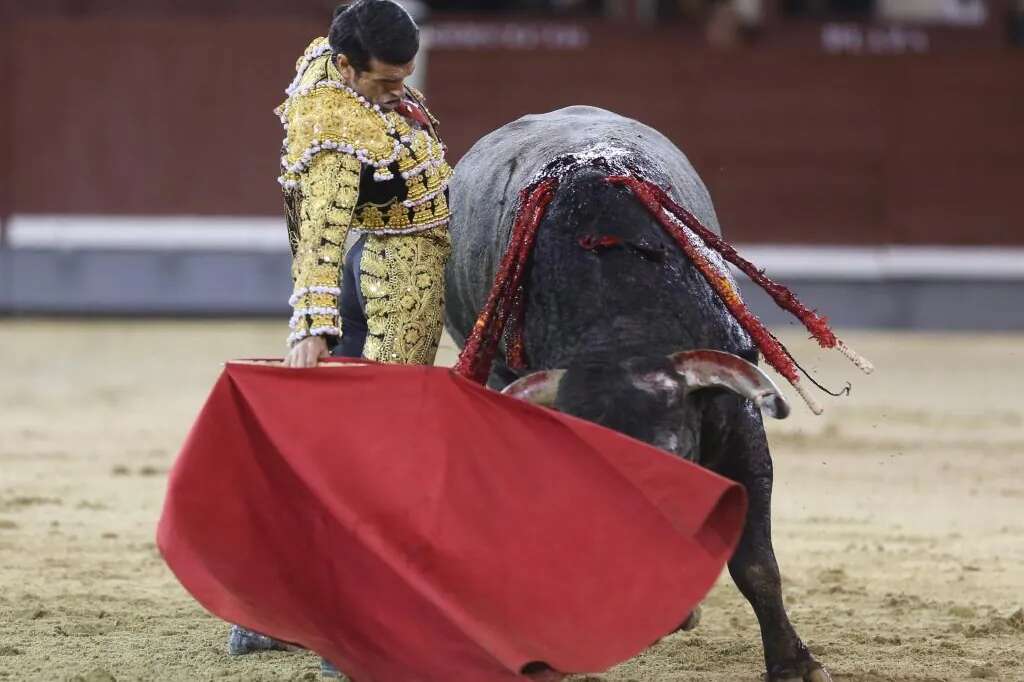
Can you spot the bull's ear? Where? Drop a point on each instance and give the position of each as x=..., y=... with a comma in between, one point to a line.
x=539, y=388
x=715, y=369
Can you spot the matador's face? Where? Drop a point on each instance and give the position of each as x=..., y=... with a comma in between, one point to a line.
x=382, y=83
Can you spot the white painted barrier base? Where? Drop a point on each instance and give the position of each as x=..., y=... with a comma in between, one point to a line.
x=183, y=265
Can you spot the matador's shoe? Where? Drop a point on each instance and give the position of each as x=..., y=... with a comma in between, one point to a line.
x=327, y=669
x=242, y=641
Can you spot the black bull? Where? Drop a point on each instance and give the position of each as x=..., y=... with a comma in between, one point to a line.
x=609, y=297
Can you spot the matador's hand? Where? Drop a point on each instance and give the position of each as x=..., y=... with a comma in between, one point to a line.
x=307, y=352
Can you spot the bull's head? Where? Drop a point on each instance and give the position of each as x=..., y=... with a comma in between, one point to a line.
x=651, y=399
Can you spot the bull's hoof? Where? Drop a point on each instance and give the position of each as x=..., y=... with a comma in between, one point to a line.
x=804, y=671
x=538, y=671
x=242, y=641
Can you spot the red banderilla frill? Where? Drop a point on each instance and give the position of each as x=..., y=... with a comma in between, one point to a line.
x=506, y=299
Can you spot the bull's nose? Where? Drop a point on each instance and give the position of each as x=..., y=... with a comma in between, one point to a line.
x=776, y=406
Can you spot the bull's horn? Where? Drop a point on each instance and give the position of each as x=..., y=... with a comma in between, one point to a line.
x=538, y=387
x=713, y=368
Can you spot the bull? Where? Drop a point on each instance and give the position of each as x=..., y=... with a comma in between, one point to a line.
x=618, y=326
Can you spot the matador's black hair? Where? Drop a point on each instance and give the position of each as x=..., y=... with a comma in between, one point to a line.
x=379, y=29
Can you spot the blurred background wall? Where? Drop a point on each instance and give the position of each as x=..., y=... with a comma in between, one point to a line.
x=869, y=152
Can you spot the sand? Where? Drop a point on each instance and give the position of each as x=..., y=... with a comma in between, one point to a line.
x=898, y=514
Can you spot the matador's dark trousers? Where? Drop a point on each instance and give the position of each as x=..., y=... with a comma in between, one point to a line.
x=392, y=297
x=352, y=305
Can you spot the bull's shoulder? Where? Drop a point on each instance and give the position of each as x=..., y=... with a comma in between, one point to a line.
x=568, y=118
x=571, y=130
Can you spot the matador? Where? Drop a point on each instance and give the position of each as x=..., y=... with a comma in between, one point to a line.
x=362, y=154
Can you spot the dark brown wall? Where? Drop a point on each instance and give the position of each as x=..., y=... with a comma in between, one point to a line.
x=148, y=116
x=156, y=115
x=796, y=146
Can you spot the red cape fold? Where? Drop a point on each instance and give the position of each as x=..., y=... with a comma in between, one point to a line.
x=410, y=525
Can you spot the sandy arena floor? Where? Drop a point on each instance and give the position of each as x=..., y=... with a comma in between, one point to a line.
x=899, y=514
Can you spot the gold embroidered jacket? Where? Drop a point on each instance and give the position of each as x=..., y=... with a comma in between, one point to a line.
x=349, y=165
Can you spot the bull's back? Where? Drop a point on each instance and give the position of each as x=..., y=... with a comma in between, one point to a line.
x=489, y=177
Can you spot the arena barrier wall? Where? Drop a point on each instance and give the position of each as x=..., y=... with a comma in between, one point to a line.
x=164, y=120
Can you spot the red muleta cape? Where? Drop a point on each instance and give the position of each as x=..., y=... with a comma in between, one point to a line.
x=410, y=525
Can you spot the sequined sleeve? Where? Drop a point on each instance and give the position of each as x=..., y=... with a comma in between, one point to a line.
x=327, y=192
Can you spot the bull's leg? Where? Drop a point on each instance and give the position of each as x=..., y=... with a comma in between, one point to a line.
x=754, y=570
x=734, y=444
